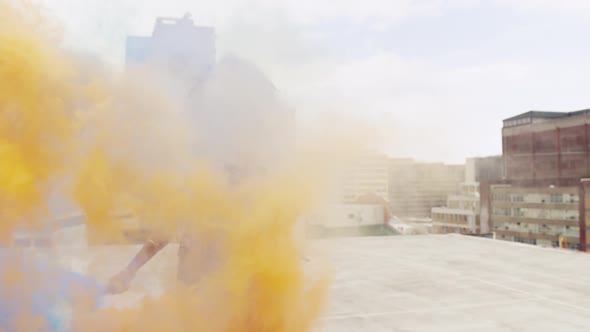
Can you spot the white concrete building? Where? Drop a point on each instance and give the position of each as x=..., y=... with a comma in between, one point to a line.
x=462, y=211
x=461, y=215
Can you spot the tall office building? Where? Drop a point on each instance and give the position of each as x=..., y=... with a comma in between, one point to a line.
x=415, y=188
x=237, y=116
x=366, y=175
x=176, y=46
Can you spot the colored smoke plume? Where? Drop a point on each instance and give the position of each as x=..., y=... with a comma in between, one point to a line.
x=123, y=143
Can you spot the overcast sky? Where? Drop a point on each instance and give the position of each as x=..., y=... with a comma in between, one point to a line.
x=437, y=76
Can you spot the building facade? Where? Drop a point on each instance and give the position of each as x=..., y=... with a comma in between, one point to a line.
x=236, y=116
x=366, y=175
x=484, y=169
x=542, y=197
x=461, y=214
x=415, y=188
x=547, y=148
x=546, y=216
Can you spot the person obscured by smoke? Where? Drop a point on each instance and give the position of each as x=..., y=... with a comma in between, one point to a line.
x=242, y=129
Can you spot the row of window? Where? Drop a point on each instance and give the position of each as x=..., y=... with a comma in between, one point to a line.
x=449, y=229
x=570, y=139
x=463, y=205
x=447, y=217
x=531, y=213
x=523, y=240
x=470, y=189
x=537, y=229
x=573, y=246
x=536, y=198
x=555, y=244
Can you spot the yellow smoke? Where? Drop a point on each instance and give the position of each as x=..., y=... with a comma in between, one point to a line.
x=124, y=145
x=37, y=98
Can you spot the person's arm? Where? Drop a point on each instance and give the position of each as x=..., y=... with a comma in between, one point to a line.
x=149, y=250
x=121, y=281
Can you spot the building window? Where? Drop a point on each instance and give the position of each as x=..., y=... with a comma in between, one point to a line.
x=573, y=198
x=556, y=198
x=527, y=241
x=502, y=212
x=501, y=197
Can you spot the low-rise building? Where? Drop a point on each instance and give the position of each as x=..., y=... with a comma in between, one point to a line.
x=349, y=215
x=462, y=211
x=545, y=216
x=461, y=215
x=354, y=219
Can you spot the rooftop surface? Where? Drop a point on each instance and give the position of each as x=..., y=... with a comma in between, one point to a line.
x=456, y=283
x=417, y=283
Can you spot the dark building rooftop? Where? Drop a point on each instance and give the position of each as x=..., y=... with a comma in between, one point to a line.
x=531, y=116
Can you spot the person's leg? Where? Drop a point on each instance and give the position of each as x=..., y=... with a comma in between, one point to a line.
x=198, y=257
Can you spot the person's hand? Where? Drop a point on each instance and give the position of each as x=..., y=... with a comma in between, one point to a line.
x=120, y=282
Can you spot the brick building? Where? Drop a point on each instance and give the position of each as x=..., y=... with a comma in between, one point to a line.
x=542, y=199
x=547, y=148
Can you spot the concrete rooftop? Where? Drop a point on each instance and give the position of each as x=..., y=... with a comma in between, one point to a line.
x=456, y=283
x=415, y=283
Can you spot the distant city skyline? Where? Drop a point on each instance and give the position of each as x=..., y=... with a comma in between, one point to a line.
x=435, y=78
